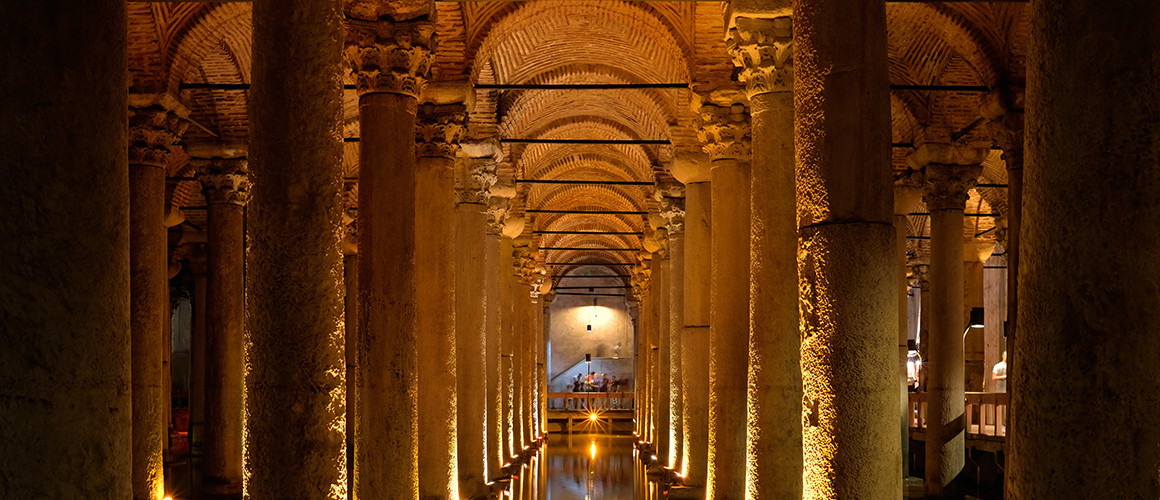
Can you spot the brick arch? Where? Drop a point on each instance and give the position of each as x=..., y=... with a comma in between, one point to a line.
x=540, y=161
x=569, y=196
x=225, y=26
x=925, y=29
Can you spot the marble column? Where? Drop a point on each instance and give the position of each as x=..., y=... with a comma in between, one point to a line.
x=906, y=196
x=225, y=183
x=156, y=123
x=438, y=133
x=390, y=62
x=65, y=368
x=846, y=251
x=724, y=131
x=350, y=318
x=693, y=172
x=295, y=437
x=474, y=175
x=948, y=173
x=198, y=264
x=672, y=209
x=493, y=234
x=1083, y=415
x=759, y=38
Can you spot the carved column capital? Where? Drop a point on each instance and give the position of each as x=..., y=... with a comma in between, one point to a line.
x=672, y=210
x=476, y=174
x=763, y=49
x=723, y=128
x=156, y=124
x=223, y=180
x=438, y=130
x=945, y=186
x=388, y=56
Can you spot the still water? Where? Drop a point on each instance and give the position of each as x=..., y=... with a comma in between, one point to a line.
x=584, y=467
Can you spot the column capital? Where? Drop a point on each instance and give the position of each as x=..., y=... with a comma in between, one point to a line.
x=476, y=173
x=672, y=210
x=948, y=173
x=438, y=130
x=641, y=277
x=156, y=124
x=223, y=180
x=763, y=49
x=497, y=209
x=389, y=56
x=723, y=125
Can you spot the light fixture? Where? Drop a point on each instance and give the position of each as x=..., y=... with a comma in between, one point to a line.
x=593, y=313
x=977, y=317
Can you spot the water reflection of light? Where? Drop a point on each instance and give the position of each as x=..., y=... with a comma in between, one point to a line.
x=592, y=449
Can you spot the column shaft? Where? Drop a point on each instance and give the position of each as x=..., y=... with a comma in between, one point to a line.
x=147, y=279
x=518, y=325
x=774, y=436
x=353, y=378
x=695, y=341
x=295, y=397
x=660, y=290
x=945, y=439
x=846, y=265
x=509, y=448
x=435, y=320
x=491, y=297
x=676, y=327
x=197, y=350
x=900, y=224
x=222, y=463
x=65, y=368
x=729, y=331
x=1084, y=371
x=472, y=351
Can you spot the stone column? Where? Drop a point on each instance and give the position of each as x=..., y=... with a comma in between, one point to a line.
x=672, y=209
x=474, y=175
x=846, y=253
x=391, y=62
x=225, y=183
x=197, y=348
x=492, y=296
x=353, y=378
x=65, y=367
x=906, y=197
x=660, y=291
x=948, y=174
x=438, y=133
x=1083, y=418
x=693, y=172
x=645, y=320
x=295, y=378
x=724, y=131
x=760, y=40
x=156, y=123
x=518, y=281
x=507, y=437
x=921, y=270
x=532, y=378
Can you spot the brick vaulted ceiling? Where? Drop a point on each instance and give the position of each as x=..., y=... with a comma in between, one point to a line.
x=595, y=41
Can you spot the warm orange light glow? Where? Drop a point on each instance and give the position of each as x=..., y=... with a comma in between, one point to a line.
x=168, y=498
x=592, y=449
x=592, y=417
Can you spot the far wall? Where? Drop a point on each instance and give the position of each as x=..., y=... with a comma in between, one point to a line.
x=612, y=330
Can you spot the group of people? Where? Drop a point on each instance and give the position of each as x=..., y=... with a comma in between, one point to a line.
x=597, y=382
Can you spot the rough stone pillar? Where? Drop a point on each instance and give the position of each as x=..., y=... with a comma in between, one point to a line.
x=1083, y=416
x=198, y=265
x=438, y=133
x=922, y=275
x=906, y=196
x=672, y=209
x=645, y=323
x=532, y=375
x=661, y=405
x=390, y=61
x=845, y=259
x=156, y=123
x=521, y=271
x=724, y=131
x=474, y=175
x=350, y=318
x=948, y=174
x=760, y=40
x=295, y=379
x=64, y=252
x=694, y=173
x=496, y=210
x=226, y=186
x=507, y=437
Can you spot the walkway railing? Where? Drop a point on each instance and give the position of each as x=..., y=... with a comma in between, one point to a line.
x=985, y=413
x=590, y=400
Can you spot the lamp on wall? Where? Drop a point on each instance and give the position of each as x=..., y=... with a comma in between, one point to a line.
x=593, y=314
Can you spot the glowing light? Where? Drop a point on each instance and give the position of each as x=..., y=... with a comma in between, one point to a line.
x=592, y=417
x=167, y=497
x=592, y=449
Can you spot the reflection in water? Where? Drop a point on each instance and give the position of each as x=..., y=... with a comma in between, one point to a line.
x=584, y=467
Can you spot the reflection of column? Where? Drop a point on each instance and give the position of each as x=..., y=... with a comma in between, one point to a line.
x=906, y=197
x=1083, y=371
x=64, y=252
x=473, y=176
x=761, y=45
x=295, y=394
x=156, y=123
x=672, y=208
x=845, y=260
x=948, y=174
x=724, y=131
x=693, y=172
x=438, y=132
x=197, y=264
x=390, y=61
x=226, y=186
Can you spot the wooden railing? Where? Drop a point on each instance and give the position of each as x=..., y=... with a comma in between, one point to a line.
x=985, y=413
x=590, y=400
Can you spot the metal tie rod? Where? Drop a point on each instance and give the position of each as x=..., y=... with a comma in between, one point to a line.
x=589, y=248
x=583, y=182
x=593, y=212
x=627, y=233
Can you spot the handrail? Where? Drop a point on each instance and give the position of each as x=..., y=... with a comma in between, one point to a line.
x=591, y=400
x=984, y=413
